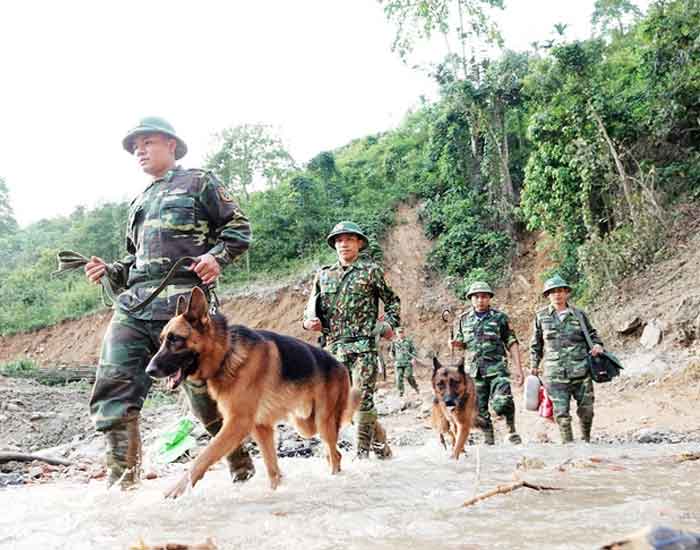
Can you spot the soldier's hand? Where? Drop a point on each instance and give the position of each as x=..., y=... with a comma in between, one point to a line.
x=518, y=378
x=313, y=324
x=207, y=268
x=596, y=350
x=95, y=269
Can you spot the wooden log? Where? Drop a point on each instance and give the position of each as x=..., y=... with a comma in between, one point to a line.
x=505, y=489
x=22, y=457
x=208, y=545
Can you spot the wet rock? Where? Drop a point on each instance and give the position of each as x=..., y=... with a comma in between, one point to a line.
x=12, y=478
x=653, y=334
x=627, y=324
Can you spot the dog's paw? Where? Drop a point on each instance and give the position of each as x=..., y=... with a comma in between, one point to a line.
x=275, y=480
x=179, y=488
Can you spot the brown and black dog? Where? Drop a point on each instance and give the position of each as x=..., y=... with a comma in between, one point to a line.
x=257, y=378
x=454, y=404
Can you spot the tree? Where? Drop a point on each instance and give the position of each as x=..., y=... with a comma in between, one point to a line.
x=465, y=26
x=613, y=16
x=8, y=224
x=247, y=153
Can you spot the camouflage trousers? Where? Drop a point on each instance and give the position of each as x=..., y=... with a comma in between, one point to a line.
x=496, y=391
x=122, y=385
x=407, y=372
x=561, y=392
x=363, y=375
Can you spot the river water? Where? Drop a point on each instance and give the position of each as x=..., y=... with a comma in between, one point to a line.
x=412, y=501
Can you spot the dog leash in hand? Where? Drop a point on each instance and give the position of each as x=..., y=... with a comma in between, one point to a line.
x=69, y=260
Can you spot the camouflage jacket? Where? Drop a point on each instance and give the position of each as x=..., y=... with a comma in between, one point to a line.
x=560, y=345
x=485, y=341
x=184, y=213
x=346, y=299
x=403, y=351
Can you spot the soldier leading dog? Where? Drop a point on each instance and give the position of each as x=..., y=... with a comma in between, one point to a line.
x=257, y=379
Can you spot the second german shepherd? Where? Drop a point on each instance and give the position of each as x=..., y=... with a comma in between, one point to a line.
x=257, y=379
x=454, y=404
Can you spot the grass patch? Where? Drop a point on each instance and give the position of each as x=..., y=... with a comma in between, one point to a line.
x=20, y=368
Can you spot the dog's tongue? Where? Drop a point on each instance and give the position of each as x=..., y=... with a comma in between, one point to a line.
x=175, y=379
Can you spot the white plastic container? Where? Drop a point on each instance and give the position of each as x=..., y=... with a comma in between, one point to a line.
x=531, y=392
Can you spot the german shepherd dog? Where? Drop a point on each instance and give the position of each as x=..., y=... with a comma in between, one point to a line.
x=454, y=404
x=257, y=379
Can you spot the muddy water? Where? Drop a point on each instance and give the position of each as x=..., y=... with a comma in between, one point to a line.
x=412, y=501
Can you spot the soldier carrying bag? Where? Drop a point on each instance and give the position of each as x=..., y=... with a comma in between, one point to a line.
x=604, y=366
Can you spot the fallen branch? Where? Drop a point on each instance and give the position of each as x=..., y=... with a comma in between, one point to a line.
x=505, y=489
x=208, y=545
x=686, y=457
x=21, y=457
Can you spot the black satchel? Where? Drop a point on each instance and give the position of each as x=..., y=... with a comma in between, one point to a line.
x=604, y=366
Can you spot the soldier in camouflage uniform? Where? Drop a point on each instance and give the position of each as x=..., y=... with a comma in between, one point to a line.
x=559, y=345
x=344, y=305
x=181, y=213
x=487, y=338
x=404, y=353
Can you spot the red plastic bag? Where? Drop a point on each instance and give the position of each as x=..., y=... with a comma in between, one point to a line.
x=546, y=409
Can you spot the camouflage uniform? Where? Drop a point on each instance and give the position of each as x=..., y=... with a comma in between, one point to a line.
x=560, y=345
x=347, y=298
x=184, y=213
x=404, y=351
x=486, y=341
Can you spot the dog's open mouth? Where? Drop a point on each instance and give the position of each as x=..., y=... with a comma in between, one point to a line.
x=175, y=379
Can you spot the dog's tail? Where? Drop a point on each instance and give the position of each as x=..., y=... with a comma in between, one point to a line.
x=351, y=405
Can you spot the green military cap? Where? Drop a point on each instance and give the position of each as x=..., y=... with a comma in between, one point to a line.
x=554, y=282
x=346, y=227
x=154, y=125
x=478, y=287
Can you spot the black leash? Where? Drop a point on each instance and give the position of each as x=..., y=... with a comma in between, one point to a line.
x=69, y=261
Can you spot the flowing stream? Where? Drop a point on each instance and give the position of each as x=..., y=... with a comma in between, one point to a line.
x=412, y=501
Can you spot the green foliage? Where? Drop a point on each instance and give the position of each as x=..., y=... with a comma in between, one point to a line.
x=246, y=153
x=20, y=368
x=8, y=224
x=589, y=141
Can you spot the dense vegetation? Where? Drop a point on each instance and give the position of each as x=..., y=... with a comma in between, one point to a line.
x=590, y=141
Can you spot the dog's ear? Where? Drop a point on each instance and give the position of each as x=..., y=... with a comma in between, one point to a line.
x=460, y=366
x=197, y=307
x=181, y=305
x=436, y=364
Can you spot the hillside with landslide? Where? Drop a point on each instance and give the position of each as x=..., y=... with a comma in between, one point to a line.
x=650, y=320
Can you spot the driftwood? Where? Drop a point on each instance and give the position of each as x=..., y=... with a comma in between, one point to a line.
x=208, y=545
x=505, y=489
x=686, y=457
x=22, y=457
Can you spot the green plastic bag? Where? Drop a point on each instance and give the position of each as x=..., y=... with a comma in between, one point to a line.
x=175, y=442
